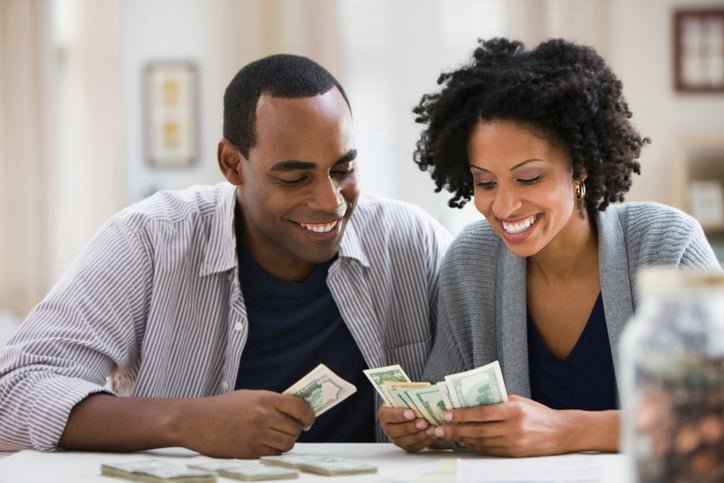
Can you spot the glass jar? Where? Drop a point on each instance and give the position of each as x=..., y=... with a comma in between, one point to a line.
x=672, y=384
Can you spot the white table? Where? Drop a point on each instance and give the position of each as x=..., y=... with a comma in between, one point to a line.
x=394, y=464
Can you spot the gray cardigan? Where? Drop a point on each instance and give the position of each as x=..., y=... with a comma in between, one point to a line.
x=482, y=304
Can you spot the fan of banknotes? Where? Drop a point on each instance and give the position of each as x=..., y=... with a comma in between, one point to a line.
x=480, y=386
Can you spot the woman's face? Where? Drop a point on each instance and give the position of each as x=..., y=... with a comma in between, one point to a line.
x=523, y=185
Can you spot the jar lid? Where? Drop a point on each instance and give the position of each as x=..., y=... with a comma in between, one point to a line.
x=669, y=278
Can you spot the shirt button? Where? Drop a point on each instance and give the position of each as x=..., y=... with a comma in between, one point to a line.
x=224, y=385
x=238, y=326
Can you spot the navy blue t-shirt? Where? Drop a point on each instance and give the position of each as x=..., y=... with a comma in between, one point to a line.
x=585, y=379
x=292, y=328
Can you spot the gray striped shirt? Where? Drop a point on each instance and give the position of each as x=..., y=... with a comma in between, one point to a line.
x=152, y=308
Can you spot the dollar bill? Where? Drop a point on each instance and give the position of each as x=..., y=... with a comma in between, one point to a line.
x=378, y=376
x=155, y=470
x=337, y=466
x=244, y=470
x=322, y=389
x=429, y=402
x=442, y=387
x=480, y=386
x=286, y=460
x=395, y=388
x=321, y=465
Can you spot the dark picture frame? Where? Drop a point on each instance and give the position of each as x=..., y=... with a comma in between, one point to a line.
x=171, y=113
x=699, y=50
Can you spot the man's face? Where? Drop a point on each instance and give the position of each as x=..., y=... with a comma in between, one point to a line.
x=298, y=187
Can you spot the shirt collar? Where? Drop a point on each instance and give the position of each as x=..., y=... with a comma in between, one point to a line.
x=221, y=244
x=351, y=246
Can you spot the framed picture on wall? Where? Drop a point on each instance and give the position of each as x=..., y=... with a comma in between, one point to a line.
x=699, y=50
x=171, y=113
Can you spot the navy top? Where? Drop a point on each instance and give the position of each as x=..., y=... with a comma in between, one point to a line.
x=585, y=379
x=292, y=328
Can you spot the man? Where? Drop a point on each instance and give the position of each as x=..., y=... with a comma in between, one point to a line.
x=203, y=305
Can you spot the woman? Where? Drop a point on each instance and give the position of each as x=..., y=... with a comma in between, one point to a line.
x=542, y=140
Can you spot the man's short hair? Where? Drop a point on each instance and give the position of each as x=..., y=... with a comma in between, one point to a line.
x=280, y=75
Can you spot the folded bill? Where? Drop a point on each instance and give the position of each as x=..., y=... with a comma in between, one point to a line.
x=245, y=470
x=156, y=470
x=321, y=465
x=322, y=389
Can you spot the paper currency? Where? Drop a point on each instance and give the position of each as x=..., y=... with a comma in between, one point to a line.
x=429, y=403
x=337, y=466
x=321, y=465
x=480, y=386
x=286, y=460
x=442, y=387
x=322, y=389
x=395, y=389
x=155, y=470
x=245, y=470
x=378, y=376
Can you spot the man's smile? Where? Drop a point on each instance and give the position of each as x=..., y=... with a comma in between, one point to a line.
x=320, y=227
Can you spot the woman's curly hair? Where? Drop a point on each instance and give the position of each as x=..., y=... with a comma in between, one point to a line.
x=564, y=89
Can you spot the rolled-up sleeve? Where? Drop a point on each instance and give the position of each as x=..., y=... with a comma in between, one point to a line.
x=89, y=326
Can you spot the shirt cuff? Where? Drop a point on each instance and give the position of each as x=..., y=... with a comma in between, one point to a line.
x=55, y=399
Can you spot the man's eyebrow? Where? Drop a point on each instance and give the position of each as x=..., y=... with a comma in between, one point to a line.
x=293, y=164
x=350, y=155
x=512, y=169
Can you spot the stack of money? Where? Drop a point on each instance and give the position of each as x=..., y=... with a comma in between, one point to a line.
x=245, y=470
x=321, y=465
x=156, y=470
x=322, y=389
x=480, y=386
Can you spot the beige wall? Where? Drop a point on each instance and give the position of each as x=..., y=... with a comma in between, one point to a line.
x=640, y=51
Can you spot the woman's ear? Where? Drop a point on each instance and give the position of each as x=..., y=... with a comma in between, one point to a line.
x=230, y=159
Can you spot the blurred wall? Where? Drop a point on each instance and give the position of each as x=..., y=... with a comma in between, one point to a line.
x=386, y=54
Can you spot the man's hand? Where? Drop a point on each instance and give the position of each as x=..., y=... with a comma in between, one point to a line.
x=404, y=429
x=239, y=424
x=523, y=427
x=246, y=424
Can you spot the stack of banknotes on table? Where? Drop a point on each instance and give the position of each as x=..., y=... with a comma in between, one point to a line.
x=205, y=470
x=156, y=470
x=480, y=386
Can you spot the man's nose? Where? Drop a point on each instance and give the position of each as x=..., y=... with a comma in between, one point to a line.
x=327, y=196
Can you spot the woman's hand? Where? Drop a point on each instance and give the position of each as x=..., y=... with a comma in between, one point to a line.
x=523, y=427
x=405, y=429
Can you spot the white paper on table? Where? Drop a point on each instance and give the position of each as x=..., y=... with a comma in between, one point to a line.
x=548, y=469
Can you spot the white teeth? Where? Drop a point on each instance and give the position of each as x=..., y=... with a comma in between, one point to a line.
x=320, y=227
x=515, y=228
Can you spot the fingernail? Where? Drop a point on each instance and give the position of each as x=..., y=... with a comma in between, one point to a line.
x=448, y=416
x=409, y=415
x=439, y=432
x=420, y=424
x=430, y=431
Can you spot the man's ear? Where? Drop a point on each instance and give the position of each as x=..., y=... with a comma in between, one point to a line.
x=230, y=160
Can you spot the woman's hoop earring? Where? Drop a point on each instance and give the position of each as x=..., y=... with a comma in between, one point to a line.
x=581, y=191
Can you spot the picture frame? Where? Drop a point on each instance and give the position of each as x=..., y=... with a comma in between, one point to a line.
x=699, y=50
x=171, y=122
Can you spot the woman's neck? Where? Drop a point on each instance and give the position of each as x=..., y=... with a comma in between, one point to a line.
x=572, y=254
